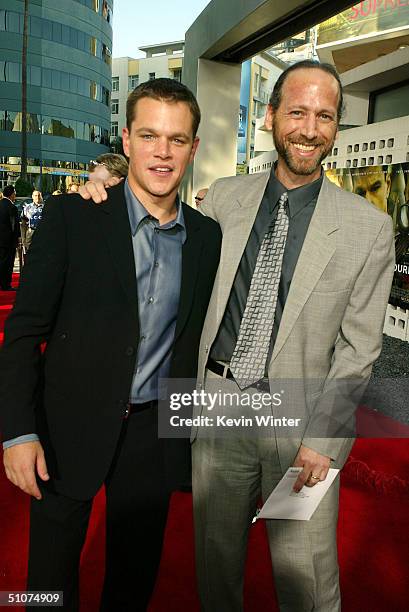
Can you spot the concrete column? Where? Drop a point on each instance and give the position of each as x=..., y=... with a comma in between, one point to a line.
x=218, y=94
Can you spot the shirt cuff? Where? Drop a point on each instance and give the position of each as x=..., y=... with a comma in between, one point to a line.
x=20, y=440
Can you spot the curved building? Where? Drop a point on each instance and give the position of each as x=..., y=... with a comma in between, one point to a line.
x=68, y=87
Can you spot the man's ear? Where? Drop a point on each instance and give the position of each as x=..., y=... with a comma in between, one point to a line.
x=194, y=149
x=269, y=117
x=125, y=141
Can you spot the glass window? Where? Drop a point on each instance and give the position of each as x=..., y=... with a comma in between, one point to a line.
x=56, y=79
x=13, y=22
x=133, y=81
x=115, y=83
x=114, y=107
x=47, y=77
x=81, y=41
x=46, y=124
x=80, y=130
x=73, y=83
x=105, y=96
x=2, y=120
x=65, y=81
x=105, y=137
x=93, y=90
x=35, y=26
x=73, y=38
x=2, y=70
x=33, y=123
x=106, y=54
x=390, y=104
x=114, y=128
x=93, y=45
x=152, y=76
x=2, y=22
x=35, y=75
x=13, y=72
x=65, y=35
x=57, y=32
x=47, y=29
x=86, y=131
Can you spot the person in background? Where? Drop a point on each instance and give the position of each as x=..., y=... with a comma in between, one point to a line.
x=32, y=214
x=9, y=235
x=108, y=165
x=200, y=196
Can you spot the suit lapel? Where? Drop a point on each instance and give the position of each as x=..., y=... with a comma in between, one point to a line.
x=238, y=222
x=115, y=228
x=191, y=252
x=317, y=250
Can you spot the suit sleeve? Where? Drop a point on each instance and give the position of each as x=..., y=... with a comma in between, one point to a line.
x=207, y=207
x=30, y=324
x=358, y=345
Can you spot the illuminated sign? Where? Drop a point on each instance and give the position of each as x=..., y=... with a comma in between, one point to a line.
x=366, y=18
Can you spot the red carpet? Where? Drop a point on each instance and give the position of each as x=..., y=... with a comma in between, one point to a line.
x=373, y=535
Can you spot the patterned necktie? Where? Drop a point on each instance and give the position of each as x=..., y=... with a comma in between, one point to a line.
x=250, y=354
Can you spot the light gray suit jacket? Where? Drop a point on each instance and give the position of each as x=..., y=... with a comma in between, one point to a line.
x=331, y=328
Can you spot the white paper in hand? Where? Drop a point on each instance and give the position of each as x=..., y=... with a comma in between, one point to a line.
x=284, y=503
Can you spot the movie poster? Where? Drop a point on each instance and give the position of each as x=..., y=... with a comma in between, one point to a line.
x=387, y=188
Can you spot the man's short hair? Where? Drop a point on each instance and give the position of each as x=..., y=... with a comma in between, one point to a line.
x=8, y=191
x=167, y=90
x=275, y=98
x=115, y=163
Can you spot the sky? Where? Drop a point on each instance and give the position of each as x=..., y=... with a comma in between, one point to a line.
x=144, y=22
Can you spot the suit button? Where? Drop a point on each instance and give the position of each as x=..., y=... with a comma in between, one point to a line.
x=129, y=351
x=64, y=336
x=126, y=412
x=206, y=349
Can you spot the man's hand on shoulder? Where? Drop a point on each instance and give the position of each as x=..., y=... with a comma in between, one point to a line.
x=315, y=467
x=21, y=463
x=96, y=190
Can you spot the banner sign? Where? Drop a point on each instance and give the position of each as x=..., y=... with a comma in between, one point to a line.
x=363, y=19
x=387, y=188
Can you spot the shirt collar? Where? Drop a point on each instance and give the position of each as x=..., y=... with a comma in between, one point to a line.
x=298, y=198
x=137, y=212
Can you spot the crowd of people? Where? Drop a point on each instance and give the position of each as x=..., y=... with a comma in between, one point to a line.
x=17, y=228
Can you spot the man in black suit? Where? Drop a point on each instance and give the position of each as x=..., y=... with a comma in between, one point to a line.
x=9, y=233
x=119, y=292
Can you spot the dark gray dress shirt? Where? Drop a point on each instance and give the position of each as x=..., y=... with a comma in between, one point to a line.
x=158, y=263
x=301, y=205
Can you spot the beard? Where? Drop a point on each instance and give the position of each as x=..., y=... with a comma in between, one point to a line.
x=301, y=167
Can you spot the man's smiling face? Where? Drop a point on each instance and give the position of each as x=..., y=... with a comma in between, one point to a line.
x=159, y=145
x=305, y=124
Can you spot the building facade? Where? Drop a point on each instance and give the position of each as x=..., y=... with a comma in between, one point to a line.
x=68, y=87
x=161, y=60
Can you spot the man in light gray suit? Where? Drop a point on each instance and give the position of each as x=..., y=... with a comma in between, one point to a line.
x=335, y=263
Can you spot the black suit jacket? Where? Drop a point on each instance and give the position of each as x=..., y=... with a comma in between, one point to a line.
x=9, y=225
x=78, y=293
